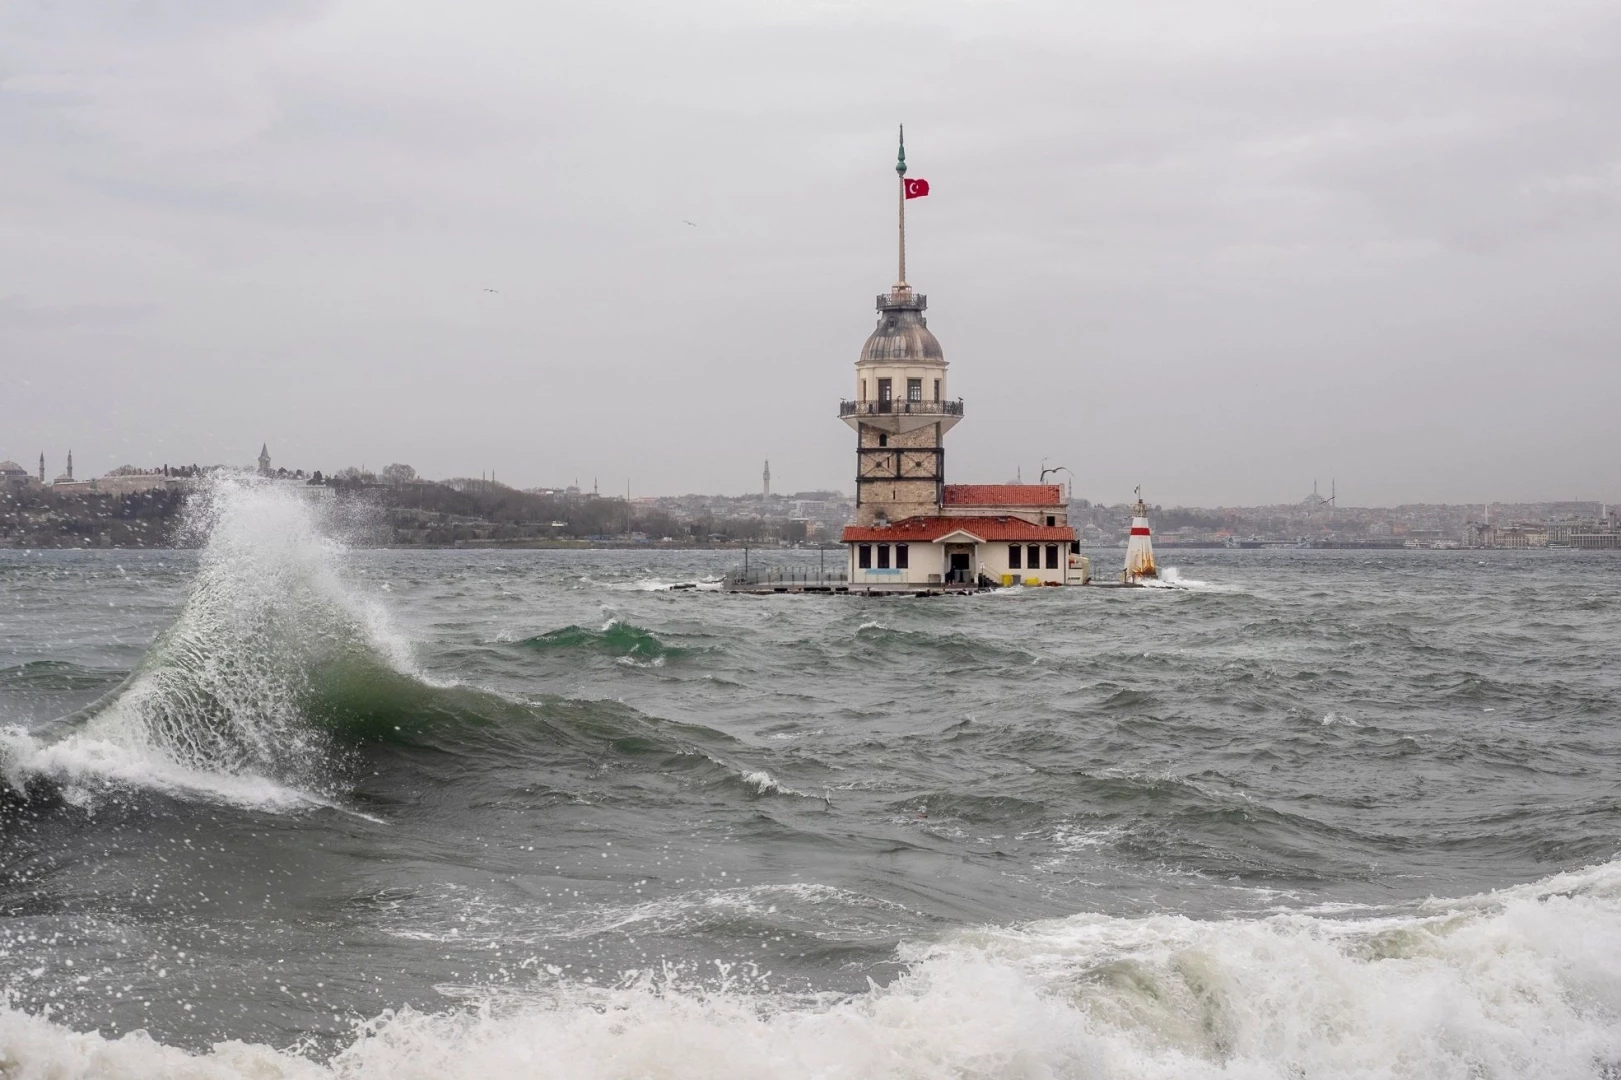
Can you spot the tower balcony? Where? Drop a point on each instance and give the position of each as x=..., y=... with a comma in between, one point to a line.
x=902, y=301
x=848, y=409
x=899, y=417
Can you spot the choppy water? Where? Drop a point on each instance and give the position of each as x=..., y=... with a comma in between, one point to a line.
x=279, y=808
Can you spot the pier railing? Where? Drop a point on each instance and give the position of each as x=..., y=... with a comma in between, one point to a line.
x=786, y=575
x=900, y=408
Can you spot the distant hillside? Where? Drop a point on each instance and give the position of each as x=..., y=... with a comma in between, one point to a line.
x=413, y=513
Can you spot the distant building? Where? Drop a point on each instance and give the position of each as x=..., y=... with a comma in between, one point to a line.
x=13, y=475
x=264, y=459
x=1584, y=533
x=1314, y=502
x=129, y=481
x=66, y=481
x=1515, y=535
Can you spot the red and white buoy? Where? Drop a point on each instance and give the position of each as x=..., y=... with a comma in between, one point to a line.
x=1140, y=547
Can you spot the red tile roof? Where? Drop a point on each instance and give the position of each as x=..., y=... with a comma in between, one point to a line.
x=1003, y=495
x=924, y=530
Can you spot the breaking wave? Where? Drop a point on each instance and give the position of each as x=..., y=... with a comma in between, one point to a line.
x=222, y=704
x=1171, y=578
x=1524, y=982
x=278, y=672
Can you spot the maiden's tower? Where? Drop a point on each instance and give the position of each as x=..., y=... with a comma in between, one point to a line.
x=912, y=529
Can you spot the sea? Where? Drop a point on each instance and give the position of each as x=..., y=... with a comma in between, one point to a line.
x=282, y=806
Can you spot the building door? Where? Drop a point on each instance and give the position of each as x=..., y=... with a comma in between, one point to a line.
x=961, y=571
x=886, y=394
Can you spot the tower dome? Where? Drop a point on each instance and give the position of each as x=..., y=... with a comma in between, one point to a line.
x=903, y=334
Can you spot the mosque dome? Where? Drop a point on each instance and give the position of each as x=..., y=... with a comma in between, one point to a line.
x=902, y=335
x=11, y=468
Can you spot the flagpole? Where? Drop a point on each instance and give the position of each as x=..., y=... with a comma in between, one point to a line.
x=900, y=170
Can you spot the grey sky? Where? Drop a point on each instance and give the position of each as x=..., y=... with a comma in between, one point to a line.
x=1218, y=249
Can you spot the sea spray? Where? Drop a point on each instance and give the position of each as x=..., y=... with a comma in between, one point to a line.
x=1521, y=983
x=221, y=705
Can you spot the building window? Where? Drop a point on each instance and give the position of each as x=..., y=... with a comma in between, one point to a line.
x=937, y=389
x=883, y=556
x=903, y=558
x=863, y=389
x=864, y=556
x=883, y=440
x=886, y=394
x=1034, y=561
x=914, y=389
x=1052, y=556
x=1074, y=547
x=1052, y=519
x=1013, y=556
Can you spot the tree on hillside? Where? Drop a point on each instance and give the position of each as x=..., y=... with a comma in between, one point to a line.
x=398, y=474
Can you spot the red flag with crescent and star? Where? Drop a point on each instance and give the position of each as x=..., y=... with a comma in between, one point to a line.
x=916, y=189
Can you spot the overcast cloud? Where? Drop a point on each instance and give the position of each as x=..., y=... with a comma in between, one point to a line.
x=1219, y=249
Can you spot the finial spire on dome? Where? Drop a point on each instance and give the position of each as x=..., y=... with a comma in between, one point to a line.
x=900, y=171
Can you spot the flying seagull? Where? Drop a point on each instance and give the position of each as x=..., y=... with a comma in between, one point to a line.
x=694, y=224
x=492, y=290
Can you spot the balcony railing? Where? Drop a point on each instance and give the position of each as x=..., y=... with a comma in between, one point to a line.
x=902, y=408
x=908, y=302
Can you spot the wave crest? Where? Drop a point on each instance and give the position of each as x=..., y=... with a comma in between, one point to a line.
x=615, y=638
x=1525, y=982
x=221, y=705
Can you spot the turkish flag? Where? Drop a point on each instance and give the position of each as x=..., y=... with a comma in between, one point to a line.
x=916, y=189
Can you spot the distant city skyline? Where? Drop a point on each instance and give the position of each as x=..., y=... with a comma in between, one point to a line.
x=1213, y=251
x=594, y=484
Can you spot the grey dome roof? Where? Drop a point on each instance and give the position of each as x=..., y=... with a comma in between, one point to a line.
x=12, y=467
x=902, y=335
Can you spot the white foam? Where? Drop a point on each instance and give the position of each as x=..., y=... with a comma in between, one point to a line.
x=766, y=784
x=84, y=767
x=1525, y=982
x=1171, y=578
x=661, y=585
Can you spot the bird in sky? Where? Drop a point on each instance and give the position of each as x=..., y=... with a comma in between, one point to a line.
x=694, y=224
x=492, y=290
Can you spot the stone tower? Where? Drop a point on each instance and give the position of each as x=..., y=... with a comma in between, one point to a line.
x=264, y=459
x=901, y=412
x=765, y=479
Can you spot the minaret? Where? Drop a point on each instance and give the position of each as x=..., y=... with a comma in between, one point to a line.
x=765, y=479
x=70, y=463
x=42, y=466
x=901, y=412
x=264, y=459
